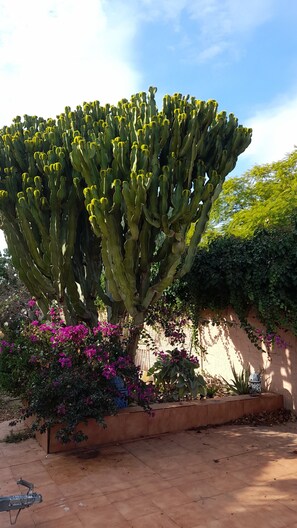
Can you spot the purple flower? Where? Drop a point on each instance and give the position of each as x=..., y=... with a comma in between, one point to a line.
x=73, y=334
x=5, y=343
x=61, y=409
x=31, y=303
x=90, y=352
x=107, y=329
x=108, y=371
x=45, y=327
x=123, y=362
x=88, y=400
x=65, y=361
x=33, y=359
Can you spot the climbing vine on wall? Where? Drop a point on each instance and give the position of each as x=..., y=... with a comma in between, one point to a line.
x=258, y=273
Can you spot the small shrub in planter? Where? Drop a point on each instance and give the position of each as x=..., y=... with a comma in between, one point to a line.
x=211, y=391
x=68, y=374
x=240, y=383
x=215, y=386
x=175, y=375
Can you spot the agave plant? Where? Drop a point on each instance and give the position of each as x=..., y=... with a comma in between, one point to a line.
x=240, y=382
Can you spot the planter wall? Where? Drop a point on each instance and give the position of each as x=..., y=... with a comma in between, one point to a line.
x=133, y=423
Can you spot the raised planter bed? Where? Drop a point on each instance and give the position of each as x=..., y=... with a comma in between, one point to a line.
x=132, y=423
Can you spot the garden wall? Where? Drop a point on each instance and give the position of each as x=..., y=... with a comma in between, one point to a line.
x=134, y=423
x=226, y=345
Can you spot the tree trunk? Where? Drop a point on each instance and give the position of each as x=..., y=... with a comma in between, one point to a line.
x=135, y=333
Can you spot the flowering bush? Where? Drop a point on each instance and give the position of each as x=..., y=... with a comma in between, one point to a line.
x=270, y=340
x=175, y=375
x=67, y=374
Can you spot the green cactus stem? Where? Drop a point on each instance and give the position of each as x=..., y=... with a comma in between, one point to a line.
x=113, y=188
x=44, y=219
x=148, y=176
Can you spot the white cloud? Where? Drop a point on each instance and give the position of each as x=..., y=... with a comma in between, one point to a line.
x=54, y=54
x=274, y=133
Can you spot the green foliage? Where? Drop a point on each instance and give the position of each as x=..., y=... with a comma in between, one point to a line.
x=134, y=177
x=211, y=391
x=14, y=296
x=175, y=375
x=7, y=276
x=240, y=382
x=15, y=367
x=264, y=197
x=20, y=436
x=258, y=272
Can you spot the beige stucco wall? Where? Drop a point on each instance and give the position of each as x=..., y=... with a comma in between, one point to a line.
x=226, y=345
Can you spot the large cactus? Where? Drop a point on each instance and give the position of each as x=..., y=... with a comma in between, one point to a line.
x=148, y=176
x=145, y=176
x=44, y=218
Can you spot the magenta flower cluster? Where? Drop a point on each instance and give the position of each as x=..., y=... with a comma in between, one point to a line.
x=64, y=360
x=270, y=339
x=177, y=355
x=70, y=372
x=5, y=346
x=73, y=334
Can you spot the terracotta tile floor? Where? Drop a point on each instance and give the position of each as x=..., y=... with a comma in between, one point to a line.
x=230, y=476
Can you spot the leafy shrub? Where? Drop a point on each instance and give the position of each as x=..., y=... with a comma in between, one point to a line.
x=67, y=374
x=175, y=375
x=13, y=297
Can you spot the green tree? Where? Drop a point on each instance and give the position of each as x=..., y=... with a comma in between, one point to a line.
x=264, y=197
x=134, y=177
x=14, y=296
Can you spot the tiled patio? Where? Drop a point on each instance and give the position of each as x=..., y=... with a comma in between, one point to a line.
x=230, y=476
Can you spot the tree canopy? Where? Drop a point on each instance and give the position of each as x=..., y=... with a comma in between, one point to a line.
x=264, y=197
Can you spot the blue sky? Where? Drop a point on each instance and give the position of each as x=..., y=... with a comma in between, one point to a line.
x=243, y=53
